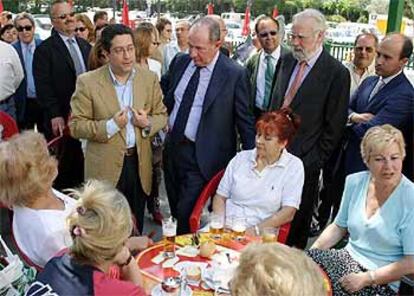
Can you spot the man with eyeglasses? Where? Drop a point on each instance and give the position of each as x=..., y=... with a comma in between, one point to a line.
x=28, y=110
x=206, y=95
x=57, y=63
x=118, y=109
x=264, y=66
x=316, y=87
x=179, y=45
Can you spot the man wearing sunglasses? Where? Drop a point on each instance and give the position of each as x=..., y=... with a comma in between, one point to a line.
x=57, y=63
x=264, y=66
x=28, y=111
x=316, y=87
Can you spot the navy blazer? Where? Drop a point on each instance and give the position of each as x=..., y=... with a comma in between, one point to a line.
x=225, y=107
x=21, y=93
x=55, y=75
x=393, y=104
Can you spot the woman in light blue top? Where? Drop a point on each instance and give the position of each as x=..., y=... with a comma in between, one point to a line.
x=377, y=212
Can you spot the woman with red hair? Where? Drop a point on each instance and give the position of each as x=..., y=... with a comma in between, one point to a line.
x=264, y=185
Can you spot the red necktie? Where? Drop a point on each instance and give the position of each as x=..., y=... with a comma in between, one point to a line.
x=295, y=84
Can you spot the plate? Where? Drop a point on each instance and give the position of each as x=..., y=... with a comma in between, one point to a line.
x=181, y=268
x=157, y=291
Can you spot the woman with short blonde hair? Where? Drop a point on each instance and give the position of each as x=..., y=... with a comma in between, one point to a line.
x=100, y=228
x=276, y=270
x=27, y=172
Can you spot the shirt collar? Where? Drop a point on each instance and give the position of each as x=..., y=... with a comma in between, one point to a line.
x=311, y=62
x=282, y=162
x=389, y=78
x=116, y=82
x=209, y=67
x=25, y=45
x=65, y=38
x=275, y=54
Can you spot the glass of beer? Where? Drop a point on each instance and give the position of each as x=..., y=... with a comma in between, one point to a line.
x=216, y=225
x=169, y=231
x=269, y=234
x=239, y=228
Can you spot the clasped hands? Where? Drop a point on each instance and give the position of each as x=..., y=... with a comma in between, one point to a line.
x=139, y=117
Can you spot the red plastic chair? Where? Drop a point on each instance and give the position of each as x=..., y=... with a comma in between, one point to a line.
x=208, y=192
x=9, y=126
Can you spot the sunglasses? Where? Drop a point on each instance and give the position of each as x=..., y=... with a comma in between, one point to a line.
x=367, y=49
x=156, y=43
x=24, y=28
x=63, y=16
x=80, y=29
x=265, y=34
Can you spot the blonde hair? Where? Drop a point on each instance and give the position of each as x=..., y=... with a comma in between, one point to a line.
x=101, y=223
x=275, y=269
x=377, y=138
x=81, y=17
x=27, y=171
x=143, y=39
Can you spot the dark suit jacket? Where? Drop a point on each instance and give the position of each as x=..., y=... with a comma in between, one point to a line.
x=225, y=107
x=252, y=66
x=321, y=102
x=393, y=104
x=55, y=75
x=21, y=93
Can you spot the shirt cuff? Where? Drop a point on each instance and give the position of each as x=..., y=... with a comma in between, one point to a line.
x=111, y=128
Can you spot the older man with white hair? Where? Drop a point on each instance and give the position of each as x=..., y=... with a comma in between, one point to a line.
x=316, y=87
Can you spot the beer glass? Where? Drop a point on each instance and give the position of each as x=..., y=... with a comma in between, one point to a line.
x=269, y=234
x=216, y=225
x=239, y=228
x=169, y=231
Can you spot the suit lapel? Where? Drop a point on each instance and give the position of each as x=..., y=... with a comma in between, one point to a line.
x=218, y=77
x=255, y=72
x=63, y=50
x=287, y=65
x=139, y=92
x=84, y=51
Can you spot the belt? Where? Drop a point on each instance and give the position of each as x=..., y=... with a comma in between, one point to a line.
x=131, y=151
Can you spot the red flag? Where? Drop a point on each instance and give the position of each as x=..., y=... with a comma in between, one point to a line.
x=275, y=12
x=210, y=8
x=246, y=24
x=1, y=6
x=125, y=16
x=70, y=2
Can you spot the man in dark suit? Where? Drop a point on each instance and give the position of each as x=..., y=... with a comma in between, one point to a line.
x=316, y=87
x=28, y=111
x=57, y=63
x=386, y=98
x=206, y=95
x=264, y=67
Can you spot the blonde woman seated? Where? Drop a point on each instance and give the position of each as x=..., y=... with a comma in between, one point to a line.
x=264, y=184
x=377, y=212
x=100, y=228
x=27, y=172
x=276, y=270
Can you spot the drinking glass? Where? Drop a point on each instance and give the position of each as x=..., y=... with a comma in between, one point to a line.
x=269, y=234
x=239, y=228
x=216, y=225
x=169, y=231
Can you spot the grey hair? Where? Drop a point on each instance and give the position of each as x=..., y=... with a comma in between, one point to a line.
x=22, y=16
x=212, y=25
x=185, y=22
x=314, y=14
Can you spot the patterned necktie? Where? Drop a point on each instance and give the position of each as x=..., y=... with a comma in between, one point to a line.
x=28, y=64
x=295, y=84
x=183, y=113
x=270, y=70
x=75, y=57
x=380, y=84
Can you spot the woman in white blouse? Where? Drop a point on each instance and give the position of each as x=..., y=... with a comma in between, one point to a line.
x=264, y=185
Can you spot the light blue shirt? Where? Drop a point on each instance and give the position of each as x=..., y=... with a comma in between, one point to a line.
x=78, y=51
x=170, y=50
x=386, y=236
x=125, y=96
x=30, y=89
x=197, y=108
x=309, y=65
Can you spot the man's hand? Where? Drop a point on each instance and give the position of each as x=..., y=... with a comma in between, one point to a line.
x=354, y=282
x=121, y=118
x=138, y=243
x=58, y=125
x=140, y=118
x=361, y=117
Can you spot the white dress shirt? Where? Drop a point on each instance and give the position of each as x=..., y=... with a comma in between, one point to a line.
x=258, y=195
x=11, y=71
x=260, y=80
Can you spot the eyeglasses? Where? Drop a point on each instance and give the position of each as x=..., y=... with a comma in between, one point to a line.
x=63, y=16
x=80, y=29
x=265, y=34
x=122, y=50
x=155, y=43
x=362, y=48
x=24, y=28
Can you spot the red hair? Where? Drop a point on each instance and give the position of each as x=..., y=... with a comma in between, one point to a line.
x=282, y=123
